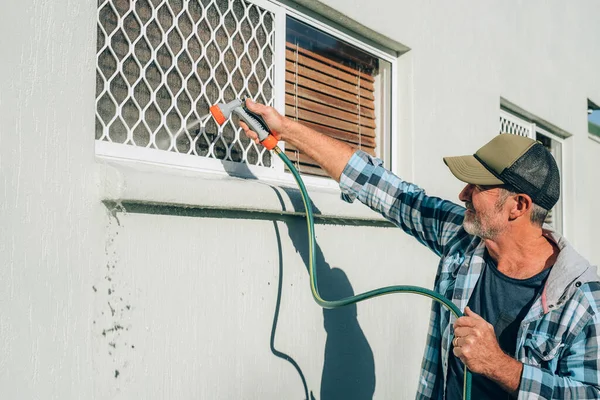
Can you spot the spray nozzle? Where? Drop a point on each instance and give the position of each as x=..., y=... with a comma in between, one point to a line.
x=222, y=111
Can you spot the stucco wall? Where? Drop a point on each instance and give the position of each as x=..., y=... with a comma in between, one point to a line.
x=51, y=230
x=181, y=302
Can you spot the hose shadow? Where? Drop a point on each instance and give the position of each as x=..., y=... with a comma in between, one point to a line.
x=276, y=352
x=349, y=366
x=244, y=171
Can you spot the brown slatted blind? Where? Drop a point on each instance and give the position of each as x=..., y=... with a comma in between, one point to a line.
x=332, y=98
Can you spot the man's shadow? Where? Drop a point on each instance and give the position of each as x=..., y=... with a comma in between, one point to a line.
x=349, y=366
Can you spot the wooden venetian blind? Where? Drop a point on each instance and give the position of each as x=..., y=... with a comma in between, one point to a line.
x=334, y=99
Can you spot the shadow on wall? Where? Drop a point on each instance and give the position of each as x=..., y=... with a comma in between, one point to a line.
x=349, y=367
x=278, y=353
x=245, y=171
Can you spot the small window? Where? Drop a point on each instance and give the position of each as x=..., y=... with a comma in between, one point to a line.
x=517, y=124
x=593, y=120
x=162, y=63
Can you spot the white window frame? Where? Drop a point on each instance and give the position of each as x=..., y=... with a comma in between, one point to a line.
x=276, y=173
x=531, y=128
x=592, y=106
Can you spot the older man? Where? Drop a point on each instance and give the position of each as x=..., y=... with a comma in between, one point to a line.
x=531, y=327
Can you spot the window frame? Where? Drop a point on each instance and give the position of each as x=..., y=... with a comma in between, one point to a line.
x=592, y=106
x=388, y=152
x=276, y=173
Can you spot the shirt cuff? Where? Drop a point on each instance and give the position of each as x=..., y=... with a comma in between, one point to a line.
x=356, y=173
x=534, y=381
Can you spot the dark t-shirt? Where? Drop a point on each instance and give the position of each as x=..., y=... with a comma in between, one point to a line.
x=503, y=302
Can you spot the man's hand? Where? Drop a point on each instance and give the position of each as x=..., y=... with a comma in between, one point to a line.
x=475, y=344
x=275, y=120
x=331, y=154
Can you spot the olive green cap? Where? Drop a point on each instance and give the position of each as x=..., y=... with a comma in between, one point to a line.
x=488, y=163
x=517, y=161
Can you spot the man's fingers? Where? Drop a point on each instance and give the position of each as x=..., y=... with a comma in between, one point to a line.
x=256, y=107
x=251, y=134
x=470, y=313
x=458, y=352
x=467, y=322
x=462, y=331
x=247, y=130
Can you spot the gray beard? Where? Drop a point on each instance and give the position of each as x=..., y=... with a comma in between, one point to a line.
x=473, y=227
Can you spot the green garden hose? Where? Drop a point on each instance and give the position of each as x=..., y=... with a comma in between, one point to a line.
x=367, y=295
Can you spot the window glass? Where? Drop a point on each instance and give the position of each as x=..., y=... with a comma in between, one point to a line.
x=337, y=89
x=593, y=119
x=554, y=217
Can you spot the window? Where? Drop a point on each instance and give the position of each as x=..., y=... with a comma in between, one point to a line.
x=161, y=65
x=334, y=88
x=593, y=120
x=518, y=124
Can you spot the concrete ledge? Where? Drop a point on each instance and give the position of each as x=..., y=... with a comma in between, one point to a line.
x=125, y=182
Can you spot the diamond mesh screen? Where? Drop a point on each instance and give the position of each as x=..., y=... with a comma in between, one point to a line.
x=514, y=125
x=162, y=64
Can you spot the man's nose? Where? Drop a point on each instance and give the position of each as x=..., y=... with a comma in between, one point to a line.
x=465, y=194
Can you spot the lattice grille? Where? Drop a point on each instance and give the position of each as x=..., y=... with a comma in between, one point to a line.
x=161, y=64
x=516, y=126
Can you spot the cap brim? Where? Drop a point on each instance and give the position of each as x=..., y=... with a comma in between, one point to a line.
x=469, y=170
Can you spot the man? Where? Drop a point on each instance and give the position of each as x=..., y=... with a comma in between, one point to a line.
x=531, y=327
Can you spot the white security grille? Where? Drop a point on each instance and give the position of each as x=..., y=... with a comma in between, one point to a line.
x=517, y=126
x=161, y=64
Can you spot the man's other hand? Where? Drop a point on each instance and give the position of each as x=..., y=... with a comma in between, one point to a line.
x=475, y=343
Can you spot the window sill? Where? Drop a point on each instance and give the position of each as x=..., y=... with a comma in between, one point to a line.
x=594, y=137
x=126, y=182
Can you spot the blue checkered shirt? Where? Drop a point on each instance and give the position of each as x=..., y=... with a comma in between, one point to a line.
x=558, y=340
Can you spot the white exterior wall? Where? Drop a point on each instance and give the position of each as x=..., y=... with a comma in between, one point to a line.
x=194, y=291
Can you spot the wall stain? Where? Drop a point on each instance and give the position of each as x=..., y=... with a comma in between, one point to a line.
x=114, y=325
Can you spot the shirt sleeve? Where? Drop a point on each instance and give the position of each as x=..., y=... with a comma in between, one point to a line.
x=431, y=220
x=578, y=371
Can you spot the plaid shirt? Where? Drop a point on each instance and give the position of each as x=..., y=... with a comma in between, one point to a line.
x=558, y=340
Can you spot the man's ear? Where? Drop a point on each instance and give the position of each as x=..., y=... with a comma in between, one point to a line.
x=521, y=206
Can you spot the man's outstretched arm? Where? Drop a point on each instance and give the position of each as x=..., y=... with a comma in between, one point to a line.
x=431, y=220
x=331, y=154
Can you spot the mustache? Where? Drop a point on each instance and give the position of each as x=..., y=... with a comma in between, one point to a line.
x=469, y=206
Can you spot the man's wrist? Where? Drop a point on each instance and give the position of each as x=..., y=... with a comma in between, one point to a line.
x=287, y=128
x=506, y=371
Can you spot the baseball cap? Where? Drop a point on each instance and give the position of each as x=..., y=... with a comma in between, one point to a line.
x=520, y=162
